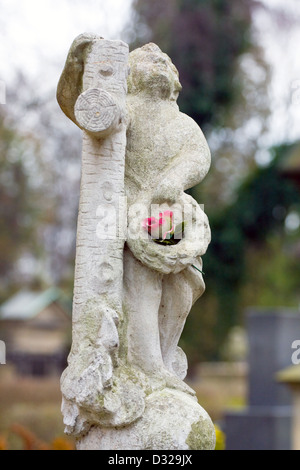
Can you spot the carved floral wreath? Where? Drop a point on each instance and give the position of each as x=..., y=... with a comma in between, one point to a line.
x=164, y=231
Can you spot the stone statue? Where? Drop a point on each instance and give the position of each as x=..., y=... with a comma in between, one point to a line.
x=123, y=387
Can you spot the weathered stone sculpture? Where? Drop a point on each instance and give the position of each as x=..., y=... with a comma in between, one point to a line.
x=123, y=387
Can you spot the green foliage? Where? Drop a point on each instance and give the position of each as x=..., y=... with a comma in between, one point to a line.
x=204, y=38
x=17, y=212
x=245, y=262
x=273, y=274
x=259, y=195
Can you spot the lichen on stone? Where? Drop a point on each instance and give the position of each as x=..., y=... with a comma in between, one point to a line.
x=202, y=436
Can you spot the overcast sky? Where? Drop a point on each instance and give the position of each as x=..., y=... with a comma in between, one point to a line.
x=281, y=45
x=36, y=35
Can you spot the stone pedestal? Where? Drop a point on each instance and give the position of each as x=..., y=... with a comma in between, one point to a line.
x=172, y=420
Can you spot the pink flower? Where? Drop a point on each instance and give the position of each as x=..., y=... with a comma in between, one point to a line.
x=151, y=224
x=166, y=221
x=161, y=228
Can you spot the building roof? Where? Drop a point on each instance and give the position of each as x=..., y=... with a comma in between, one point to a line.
x=27, y=304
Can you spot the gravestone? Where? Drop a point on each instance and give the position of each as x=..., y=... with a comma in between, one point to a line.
x=140, y=239
x=266, y=422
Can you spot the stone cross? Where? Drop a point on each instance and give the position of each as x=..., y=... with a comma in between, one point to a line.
x=123, y=387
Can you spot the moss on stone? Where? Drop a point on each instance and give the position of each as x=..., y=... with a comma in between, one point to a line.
x=91, y=320
x=201, y=436
x=122, y=330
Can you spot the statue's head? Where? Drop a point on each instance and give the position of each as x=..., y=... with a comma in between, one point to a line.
x=153, y=72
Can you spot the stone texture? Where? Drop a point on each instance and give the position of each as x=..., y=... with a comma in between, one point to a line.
x=123, y=387
x=92, y=92
x=172, y=420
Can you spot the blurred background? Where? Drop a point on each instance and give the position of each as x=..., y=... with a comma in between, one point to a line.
x=240, y=70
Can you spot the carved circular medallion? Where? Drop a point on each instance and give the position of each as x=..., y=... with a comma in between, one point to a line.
x=95, y=110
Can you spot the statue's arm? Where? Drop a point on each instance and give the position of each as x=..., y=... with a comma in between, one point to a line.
x=189, y=166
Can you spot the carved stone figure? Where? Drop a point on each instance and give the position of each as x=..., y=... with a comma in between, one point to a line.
x=166, y=153
x=123, y=387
